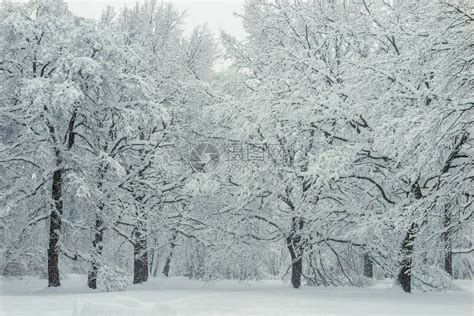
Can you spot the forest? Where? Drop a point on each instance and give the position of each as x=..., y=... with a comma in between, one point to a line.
x=335, y=149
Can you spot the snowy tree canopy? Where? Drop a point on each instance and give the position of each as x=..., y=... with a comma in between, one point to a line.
x=336, y=148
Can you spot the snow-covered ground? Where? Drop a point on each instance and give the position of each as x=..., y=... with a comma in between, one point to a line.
x=177, y=296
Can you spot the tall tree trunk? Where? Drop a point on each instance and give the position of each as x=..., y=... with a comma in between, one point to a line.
x=447, y=236
x=99, y=228
x=166, y=268
x=448, y=262
x=448, y=247
x=140, y=247
x=140, y=258
x=368, y=266
x=55, y=227
x=97, y=251
x=55, y=221
x=294, y=244
x=296, y=269
x=404, y=275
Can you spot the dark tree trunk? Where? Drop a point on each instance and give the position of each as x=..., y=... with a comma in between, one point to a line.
x=55, y=227
x=368, y=266
x=97, y=244
x=448, y=247
x=404, y=275
x=140, y=258
x=140, y=247
x=294, y=244
x=55, y=222
x=97, y=248
x=92, y=276
x=448, y=263
x=166, y=268
x=296, y=270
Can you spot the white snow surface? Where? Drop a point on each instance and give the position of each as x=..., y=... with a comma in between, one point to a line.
x=180, y=296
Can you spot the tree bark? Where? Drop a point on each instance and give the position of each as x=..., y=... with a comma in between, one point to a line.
x=295, y=247
x=368, y=266
x=97, y=248
x=448, y=247
x=140, y=247
x=296, y=270
x=140, y=258
x=404, y=275
x=166, y=268
x=55, y=227
x=448, y=262
x=57, y=198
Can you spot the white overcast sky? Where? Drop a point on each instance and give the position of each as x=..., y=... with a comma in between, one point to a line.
x=218, y=14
